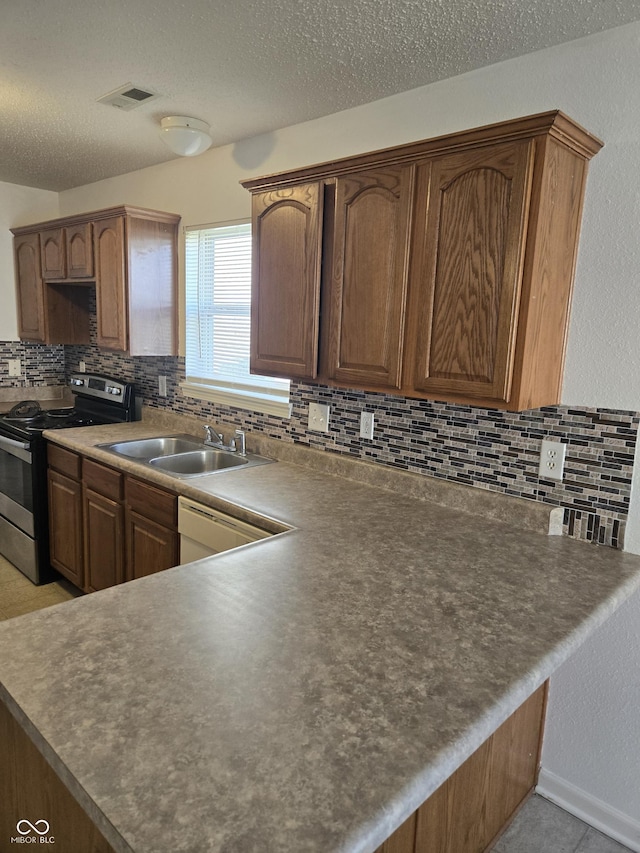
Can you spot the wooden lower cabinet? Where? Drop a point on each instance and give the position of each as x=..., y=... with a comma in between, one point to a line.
x=151, y=547
x=30, y=788
x=65, y=514
x=470, y=810
x=103, y=541
x=465, y=815
x=152, y=529
x=107, y=527
x=65, y=526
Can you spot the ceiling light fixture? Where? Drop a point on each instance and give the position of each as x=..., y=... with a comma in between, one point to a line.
x=185, y=136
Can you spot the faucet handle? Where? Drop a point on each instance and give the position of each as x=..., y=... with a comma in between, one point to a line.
x=240, y=442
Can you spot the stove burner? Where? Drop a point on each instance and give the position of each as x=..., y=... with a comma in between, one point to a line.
x=60, y=413
x=25, y=412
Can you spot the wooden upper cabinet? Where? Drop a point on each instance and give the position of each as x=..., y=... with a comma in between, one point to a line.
x=287, y=249
x=447, y=265
x=29, y=288
x=128, y=253
x=67, y=253
x=52, y=252
x=79, y=250
x=111, y=297
x=366, y=280
x=468, y=257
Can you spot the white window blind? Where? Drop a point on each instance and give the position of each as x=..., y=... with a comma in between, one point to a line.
x=217, y=317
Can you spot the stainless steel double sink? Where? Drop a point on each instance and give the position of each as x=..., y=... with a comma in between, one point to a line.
x=182, y=455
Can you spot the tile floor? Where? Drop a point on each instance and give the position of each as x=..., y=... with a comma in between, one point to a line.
x=540, y=827
x=18, y=595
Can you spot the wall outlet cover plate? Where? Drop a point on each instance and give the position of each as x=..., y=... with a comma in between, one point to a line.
x=552, y=456
x=318, y=417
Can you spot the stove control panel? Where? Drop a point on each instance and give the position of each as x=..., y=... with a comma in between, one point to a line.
x=93, y=386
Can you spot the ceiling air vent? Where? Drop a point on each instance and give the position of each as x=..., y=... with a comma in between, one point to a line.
x=127, y=97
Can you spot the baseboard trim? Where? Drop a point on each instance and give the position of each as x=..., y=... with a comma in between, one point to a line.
x=588, y=808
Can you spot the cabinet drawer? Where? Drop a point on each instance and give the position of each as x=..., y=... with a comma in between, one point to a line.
x=103, y=480
x=151, y=502
x=65, y=461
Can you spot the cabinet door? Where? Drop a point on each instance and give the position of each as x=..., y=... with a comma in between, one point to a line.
x=111, y=304
x=52, y=252
x=468, y=249
x=103, y=541
x=65, y=527
x=285, y=298
x=79, y=251
x=151, y=547
x=367, y=280
x=29, y=288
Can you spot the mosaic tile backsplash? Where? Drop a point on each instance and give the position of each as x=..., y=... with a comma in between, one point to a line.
x=40, y=365
x=484, y=448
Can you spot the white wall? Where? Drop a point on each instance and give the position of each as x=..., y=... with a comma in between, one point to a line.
x=18, y=206
x=594, y=716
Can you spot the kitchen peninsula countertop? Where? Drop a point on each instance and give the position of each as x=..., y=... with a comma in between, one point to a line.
x=307, y=692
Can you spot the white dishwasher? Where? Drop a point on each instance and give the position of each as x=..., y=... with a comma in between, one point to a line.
x=205, y=531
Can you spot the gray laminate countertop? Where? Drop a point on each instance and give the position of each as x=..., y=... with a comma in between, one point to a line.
x=309, y=691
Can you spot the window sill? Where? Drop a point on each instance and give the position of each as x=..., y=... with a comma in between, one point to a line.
x=251, y=401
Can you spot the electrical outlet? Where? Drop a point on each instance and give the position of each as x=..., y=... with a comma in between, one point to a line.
x=162, y=386
x=82, y=367
x=318, y=417
x=15, y=368
x=366, y=425
x=552, y=455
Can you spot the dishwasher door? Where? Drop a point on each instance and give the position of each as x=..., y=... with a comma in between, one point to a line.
x=205, y=531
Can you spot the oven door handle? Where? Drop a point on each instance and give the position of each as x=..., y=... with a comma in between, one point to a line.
x=15, y=448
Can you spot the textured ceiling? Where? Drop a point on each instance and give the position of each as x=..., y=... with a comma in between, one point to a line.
x=244, y=66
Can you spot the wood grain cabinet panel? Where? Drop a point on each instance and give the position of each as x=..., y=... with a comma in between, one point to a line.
x=79, y=240
x=110, y=284
x=151, y=547
x=32, y=324
x=103, y=521
x=65, y=527
x=367, y=279
x=447, y=265
x=475, y=804
x=30, y=788
x=287, y=245
x=466, y=274
x=151, y=529
x=52, y=251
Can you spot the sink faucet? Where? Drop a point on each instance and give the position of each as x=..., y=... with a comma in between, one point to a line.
x=216, y=439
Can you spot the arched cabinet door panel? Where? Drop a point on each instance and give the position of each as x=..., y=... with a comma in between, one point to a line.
x=79, y=250
x=367, y=282
x=468, y=271
x=29, y=288
x=287, y=254
x=111, y=305
x=52, y=253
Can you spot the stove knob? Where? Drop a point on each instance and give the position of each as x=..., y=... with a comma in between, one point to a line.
x=112, y=389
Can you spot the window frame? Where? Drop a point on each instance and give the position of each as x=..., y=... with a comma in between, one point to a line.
x=250, y=397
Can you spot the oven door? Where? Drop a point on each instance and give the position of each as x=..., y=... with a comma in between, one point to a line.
x=16, y=483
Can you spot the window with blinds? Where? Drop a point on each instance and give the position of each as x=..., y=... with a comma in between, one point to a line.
x=217, y=321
